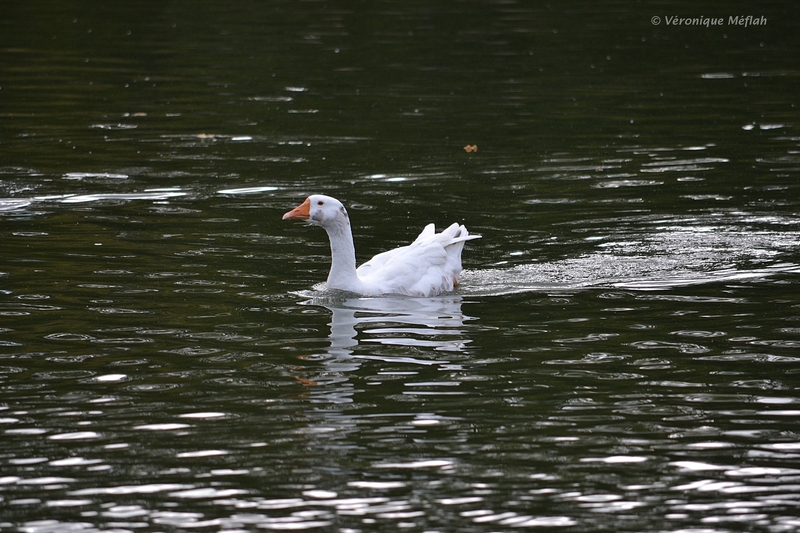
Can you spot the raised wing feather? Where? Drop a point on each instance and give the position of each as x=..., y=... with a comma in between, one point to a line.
x=429, y=265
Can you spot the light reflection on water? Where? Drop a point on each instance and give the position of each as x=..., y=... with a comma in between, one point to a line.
x=620, y=356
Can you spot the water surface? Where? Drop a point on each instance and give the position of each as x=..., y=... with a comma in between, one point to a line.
x=621, y=354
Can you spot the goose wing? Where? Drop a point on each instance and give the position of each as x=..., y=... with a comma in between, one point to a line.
x=429, y=265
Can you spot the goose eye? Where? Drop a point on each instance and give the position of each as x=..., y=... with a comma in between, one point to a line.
x=320, y=203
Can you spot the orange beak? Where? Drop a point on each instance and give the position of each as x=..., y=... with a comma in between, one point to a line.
x=301, y=212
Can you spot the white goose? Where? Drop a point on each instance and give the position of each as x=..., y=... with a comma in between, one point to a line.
x=426, y=267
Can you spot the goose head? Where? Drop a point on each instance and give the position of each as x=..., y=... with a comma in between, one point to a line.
x=320, y=210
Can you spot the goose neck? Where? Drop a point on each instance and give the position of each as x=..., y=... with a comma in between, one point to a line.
x=343, y=256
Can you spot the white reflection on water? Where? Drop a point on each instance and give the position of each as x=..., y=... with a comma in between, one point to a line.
x=403, y=321
x=156, y=194
x=360, y=324
x=10, y=204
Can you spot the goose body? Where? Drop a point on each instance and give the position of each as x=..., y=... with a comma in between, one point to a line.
x=428, y=266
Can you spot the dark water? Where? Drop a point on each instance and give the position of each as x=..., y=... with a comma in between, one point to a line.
x=622, y=354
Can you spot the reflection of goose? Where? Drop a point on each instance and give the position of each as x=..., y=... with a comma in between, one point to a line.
x=420, y=323
x=434, y=322
x=428, y=266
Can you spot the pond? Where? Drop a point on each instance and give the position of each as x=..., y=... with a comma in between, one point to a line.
x=621, y=353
